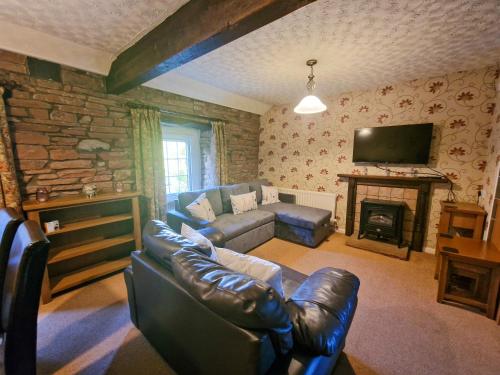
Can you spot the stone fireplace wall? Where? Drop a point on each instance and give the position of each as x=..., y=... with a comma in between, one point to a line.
x=409, y=196
x=70, y=133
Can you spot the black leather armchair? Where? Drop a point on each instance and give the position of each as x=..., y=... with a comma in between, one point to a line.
x=21, y=297
x=9, y=222
x=191, y=333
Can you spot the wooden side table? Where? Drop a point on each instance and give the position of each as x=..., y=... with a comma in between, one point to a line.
x=471, y=275
x=465, y=219
x=462, y=217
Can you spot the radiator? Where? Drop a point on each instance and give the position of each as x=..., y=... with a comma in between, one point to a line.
x=326, y=201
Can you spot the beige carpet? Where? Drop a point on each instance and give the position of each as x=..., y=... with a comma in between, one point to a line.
x=398, y=328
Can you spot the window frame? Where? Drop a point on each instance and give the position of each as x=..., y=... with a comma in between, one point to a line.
x=172, y=132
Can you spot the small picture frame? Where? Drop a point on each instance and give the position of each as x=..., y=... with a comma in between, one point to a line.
x=51, y=226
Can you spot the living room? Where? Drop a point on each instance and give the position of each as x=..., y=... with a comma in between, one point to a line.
x=313, y=183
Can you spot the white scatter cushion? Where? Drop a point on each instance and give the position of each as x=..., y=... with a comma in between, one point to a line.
x=194, y=236
x=256, y=267
x=201, y=209
x=244, y=202
x=269, y=194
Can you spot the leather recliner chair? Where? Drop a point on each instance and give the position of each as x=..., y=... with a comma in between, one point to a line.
x=175, y=300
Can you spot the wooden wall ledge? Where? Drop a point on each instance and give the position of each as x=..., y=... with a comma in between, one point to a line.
x=401, y=179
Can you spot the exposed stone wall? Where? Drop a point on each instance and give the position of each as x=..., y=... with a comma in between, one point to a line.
x=72, y=133
x=242, y=128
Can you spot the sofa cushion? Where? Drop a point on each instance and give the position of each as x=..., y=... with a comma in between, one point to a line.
x=301, y=216
x=270, y=195
x=256, y=185
x=201, y=208
x=261, y=269
x=243, y=202
x=234, y=225
x=213, y=196
x=199, y=239
x=239, y=298
x=322, y=309
x=160, y=242
x=227, y=190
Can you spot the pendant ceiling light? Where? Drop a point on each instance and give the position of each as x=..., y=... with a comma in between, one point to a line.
x=310, y=103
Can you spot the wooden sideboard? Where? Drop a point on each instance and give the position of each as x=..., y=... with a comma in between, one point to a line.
x=95, y=237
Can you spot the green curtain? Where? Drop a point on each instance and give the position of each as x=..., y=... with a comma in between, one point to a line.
x=219, y=147
x=149, y=164
x=10, y=195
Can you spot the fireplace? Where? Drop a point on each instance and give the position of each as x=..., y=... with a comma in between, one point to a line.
x=382, y=220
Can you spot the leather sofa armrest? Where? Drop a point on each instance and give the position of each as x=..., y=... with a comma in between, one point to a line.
x=129, y=282
x=286, y=198
x=176, y=218
x=214, y=235
x=322, y=309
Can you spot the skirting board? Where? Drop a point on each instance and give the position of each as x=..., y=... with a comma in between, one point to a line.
x=429, y=250
x=378, y=247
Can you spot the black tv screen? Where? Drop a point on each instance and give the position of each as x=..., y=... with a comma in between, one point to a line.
x=402, y=144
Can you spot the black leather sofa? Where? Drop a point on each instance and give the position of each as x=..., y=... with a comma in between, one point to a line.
x=205, y=319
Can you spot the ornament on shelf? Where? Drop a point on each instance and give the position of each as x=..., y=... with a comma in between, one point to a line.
x=42, y=194
x=90, y=190
x=119, y=187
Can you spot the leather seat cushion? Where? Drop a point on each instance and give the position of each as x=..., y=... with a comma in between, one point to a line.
x=322, y=309
x=213, y=196
x=300, y=216
x=243, y=300
x=161, y=242
x=233, y=225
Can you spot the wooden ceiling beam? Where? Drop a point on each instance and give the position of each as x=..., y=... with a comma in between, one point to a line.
x=198, y=27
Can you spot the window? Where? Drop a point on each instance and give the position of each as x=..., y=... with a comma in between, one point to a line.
x=181, y=152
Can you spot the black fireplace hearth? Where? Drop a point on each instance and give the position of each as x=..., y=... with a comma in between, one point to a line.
x=382, y=220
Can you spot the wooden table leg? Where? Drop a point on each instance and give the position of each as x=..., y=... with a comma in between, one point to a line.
x=438, y=259
x=493, y=293
x=443, y=277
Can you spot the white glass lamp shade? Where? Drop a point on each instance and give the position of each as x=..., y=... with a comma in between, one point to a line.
x=310, y=104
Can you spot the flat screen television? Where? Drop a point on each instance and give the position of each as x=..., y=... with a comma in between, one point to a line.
x=402, y=144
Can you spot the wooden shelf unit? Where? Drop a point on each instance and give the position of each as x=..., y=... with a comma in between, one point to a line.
x=95, y=237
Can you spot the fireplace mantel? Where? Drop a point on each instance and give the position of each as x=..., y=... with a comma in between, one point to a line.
x=421, y=184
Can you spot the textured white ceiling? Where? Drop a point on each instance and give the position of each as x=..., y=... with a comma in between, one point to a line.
x=108, y=25
x=359, y=45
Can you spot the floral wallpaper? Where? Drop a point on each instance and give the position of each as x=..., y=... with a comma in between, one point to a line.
x=493, y=163
x=307, y=152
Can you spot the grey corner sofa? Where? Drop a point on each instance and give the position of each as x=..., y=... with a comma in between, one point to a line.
x=286, y=220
